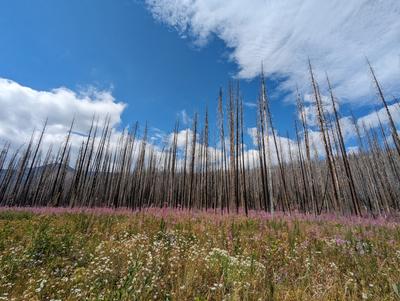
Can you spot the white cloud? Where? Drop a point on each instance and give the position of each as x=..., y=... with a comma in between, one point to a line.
x=337, y=35
x=157, y=135
x=284, y=144
x=371, y=120
x=24, y=109
x=348, y=128
x=250, y=104
x=181, y=137
x=353, y=150
x=184, y=117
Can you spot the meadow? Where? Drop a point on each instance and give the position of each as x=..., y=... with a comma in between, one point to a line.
x=167, y=254
x=301, y=218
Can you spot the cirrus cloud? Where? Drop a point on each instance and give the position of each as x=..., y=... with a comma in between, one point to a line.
x=337, y=35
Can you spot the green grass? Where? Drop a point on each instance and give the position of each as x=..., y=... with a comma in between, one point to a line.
x=144, y=256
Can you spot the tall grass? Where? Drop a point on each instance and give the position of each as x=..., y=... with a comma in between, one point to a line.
x=165, y=254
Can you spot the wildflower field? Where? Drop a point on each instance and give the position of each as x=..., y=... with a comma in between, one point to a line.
x=101, y=254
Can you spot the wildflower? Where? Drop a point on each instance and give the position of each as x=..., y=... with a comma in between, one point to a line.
x=340, y=241
x=41, y=285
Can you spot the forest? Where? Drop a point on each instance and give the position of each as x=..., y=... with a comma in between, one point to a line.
x=190, y=172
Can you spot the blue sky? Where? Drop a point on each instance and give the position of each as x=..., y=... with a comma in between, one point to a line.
x=163, y=57
x=119, y=46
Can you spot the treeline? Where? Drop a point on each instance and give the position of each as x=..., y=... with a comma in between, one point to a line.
x=126, y=171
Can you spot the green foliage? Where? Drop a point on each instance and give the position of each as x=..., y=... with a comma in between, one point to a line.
x=149, y=257
x=396, y=289
x=15, y=215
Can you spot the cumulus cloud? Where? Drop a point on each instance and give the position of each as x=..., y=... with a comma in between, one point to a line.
x=370, y=120
x=286, y=146
x=24, y=109
x=181, y=137
x=337, y=35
